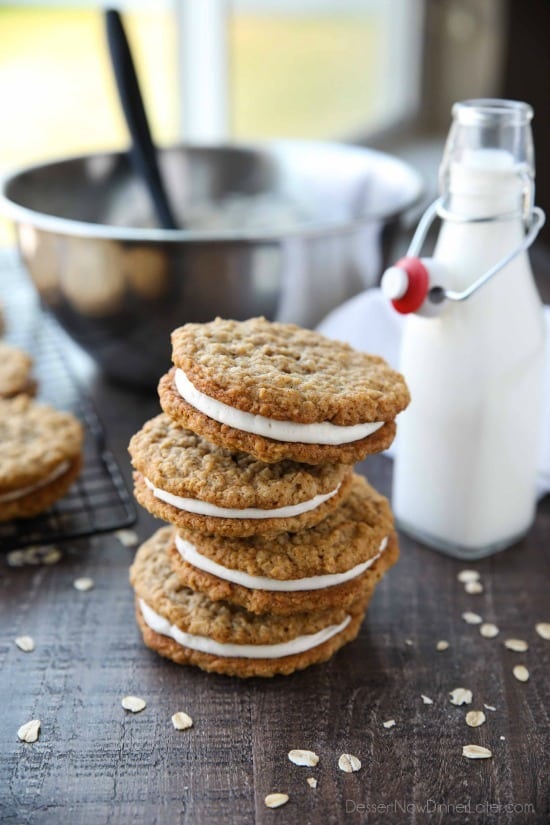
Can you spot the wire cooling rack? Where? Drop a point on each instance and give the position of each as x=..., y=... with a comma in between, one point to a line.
x=98, y=501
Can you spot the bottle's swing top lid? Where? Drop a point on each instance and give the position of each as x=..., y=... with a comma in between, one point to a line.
x=489, y=150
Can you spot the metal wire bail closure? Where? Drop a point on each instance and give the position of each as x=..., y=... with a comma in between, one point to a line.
x=533, y=224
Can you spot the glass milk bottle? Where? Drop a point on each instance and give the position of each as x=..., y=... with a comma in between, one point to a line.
x=473, y=345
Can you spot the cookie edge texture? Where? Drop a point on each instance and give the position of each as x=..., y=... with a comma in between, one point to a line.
x=235, y=526
x=281, y=603
x=267, y=449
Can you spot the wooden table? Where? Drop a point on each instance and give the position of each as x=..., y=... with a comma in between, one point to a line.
x=95, y=763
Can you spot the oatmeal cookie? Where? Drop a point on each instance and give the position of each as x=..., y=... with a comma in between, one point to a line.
x=40, y=456
x=326, y=565
x=283, y=603
x=15, y=372
x=189, y=628
x=279, y=391
x=186, y=480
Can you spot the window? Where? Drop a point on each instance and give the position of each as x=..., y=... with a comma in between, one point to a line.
x=323, y=68
x=209, y=69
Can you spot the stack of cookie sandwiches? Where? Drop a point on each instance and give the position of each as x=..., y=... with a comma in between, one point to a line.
x=275, y=545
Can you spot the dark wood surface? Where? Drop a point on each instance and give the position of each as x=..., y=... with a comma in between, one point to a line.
x=94, y=763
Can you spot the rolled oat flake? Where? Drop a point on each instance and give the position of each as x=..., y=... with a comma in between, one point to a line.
x=471, y=618
x=133, y=704
x=489, y=630
x=461, y=696
x=25, y=643
x=543, y=629
x=182, y=721
x=275, y=800
x=521, y=673
x=517, y=645
x=476, y=752
x=302, y=757
x=83, y=584
x=349, y=763
x=29, y=731
x=475, y=718
x=466, y=576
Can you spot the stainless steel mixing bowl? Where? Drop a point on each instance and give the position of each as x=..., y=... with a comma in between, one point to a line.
x=313, y=220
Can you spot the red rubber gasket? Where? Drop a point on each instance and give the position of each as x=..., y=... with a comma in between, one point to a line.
x=419, y=282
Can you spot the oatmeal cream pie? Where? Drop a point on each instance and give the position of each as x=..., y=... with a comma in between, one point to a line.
x=278, y=391
x=330, y=565
x=184, y=479
x=40, y=456
x=189, y=628
x=15, y=372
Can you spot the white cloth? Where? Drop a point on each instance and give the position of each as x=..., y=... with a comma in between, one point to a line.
x=369, y=323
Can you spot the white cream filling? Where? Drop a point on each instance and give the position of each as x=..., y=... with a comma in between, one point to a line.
x=204, y=508
x=319, y=433
x=190, y=554
x=13, y=495
x=207, y=645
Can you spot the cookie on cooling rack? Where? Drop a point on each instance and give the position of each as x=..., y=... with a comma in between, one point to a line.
x=190, y=629
x=15, y=372
x=278, y=391
x=184, y=479
x=40, y=456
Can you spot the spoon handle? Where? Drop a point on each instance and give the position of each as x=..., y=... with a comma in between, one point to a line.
x=143, y=153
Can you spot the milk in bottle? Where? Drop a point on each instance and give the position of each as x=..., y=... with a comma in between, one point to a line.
x=465, y=470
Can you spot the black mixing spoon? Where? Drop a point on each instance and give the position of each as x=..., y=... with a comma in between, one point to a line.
x=143, y=153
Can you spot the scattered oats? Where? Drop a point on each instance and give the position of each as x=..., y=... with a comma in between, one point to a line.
x=476, y=752
x=275, y=800
x=426, y=699
x=133, y=703
x=461, y=696
x=180, y=720
x=489, y=707
x=53, y=555
x=502, y=738
x=475, y=718
x=349, y=763
x=489, y=630
x=83, y=584
x=20, y=558
x=15, y=558
x=442, y=644
x=299, y=757
x=471, y=618
x=543, y=629
x=36, y=554
x=466, y=576
x=473, y=587
x=25, y=643
x=129, y=538
x=389, y=724
x=521, y=673
x=29, y=731
x=311, y=781
x=408, y=642
x=517, y=645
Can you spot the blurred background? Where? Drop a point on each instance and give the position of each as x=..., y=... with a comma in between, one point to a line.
x=378, y=72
